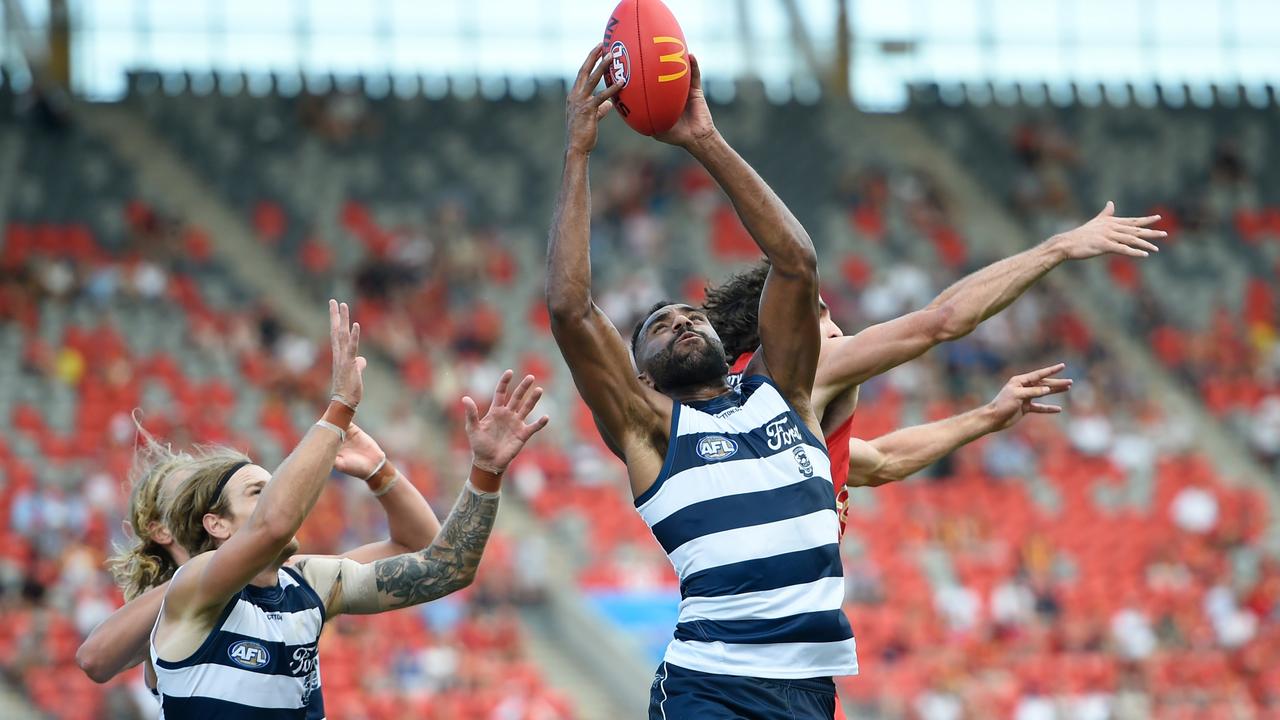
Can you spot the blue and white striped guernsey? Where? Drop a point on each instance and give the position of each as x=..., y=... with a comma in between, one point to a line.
x=744, y=507
x=259, y=663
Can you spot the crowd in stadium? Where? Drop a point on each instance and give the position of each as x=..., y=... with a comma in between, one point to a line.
x=1091, y=565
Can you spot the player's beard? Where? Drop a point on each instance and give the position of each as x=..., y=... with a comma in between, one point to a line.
x=671, y=369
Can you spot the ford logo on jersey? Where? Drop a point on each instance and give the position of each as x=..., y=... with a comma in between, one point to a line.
x=716, y=447
x=249, y=654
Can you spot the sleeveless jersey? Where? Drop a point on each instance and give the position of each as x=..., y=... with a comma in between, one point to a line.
x=744, y=508
x=260, y=661
x=837, y=447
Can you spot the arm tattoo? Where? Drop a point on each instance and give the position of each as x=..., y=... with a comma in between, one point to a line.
x=449, y=564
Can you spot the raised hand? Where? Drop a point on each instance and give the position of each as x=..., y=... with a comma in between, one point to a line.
x=498, y=436
x=1107, y=233
x=359, y=454
x=695, y=122
x=585, y=108
x=348, y=366
x=1017, y=398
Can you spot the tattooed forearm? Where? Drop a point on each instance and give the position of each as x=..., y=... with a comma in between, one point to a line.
x=449, y=564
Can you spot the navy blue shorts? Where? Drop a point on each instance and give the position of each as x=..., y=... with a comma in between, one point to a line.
x=682, y=694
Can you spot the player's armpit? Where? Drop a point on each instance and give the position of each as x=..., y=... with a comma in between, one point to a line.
x=604, y=374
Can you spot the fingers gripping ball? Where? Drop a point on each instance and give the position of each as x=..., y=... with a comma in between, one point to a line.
x=647, y=55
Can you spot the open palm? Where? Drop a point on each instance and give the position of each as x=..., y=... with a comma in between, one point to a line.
x=499, y=435
x=1018, y=397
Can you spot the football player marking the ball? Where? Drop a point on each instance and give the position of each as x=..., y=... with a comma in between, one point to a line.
x=848, y=361
x=238, y=628
x=734, y=482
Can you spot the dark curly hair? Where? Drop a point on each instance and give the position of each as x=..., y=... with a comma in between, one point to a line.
x=635, y=330
x=734, y=310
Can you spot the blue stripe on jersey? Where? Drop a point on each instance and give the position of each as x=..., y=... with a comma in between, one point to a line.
x=814, y=627
x=280, y=656
x=743, y=510
x=278, y=598
x=768, y=573
x=197, y=708
x=757, y=380
x=665, y=472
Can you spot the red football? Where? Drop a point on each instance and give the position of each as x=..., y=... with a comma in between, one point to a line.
x=645, y=48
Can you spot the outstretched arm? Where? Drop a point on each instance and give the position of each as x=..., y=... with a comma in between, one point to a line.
x=959, y=309
x=596, y=354
x=449, y=563
x=411, y=523
x=211, y=579
x=901, y=453
x=789, y=334
x=120, y=642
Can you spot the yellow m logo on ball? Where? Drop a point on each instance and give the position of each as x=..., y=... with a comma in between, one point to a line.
x=675, y=57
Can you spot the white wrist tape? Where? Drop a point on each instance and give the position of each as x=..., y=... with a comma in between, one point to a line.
x=481, y=493
x=386, y=488
x=342, y=434
x=381, y=464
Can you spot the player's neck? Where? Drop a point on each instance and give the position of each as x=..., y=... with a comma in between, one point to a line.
x=699, y=393
x=267, y=578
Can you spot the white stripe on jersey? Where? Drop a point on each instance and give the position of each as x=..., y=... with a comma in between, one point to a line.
x=729, y=477
x=755, y=542
x=790, y=661
x=222, y=682
x=290, y=628
x=765, y=404
x=765, y=604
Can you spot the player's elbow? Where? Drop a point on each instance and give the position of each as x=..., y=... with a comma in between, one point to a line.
x=567, y=307
x=798, y=261
x=274, y=529
x=92, y=663
x=944, y=324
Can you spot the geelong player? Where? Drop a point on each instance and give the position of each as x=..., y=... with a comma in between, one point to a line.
x=848, y=361
x=734, y=482
x=143, y=568
x=238, y=628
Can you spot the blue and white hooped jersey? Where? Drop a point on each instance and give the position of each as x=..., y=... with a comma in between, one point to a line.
x=259, y=663
x=744, y=508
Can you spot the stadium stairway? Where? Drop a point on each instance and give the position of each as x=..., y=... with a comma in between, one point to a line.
x=997, y=234
x=576, y=648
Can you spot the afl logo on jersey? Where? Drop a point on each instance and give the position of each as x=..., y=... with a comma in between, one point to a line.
x=716, y=447
x=249, y=654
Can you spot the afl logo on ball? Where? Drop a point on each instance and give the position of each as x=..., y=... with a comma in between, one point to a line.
x=249, y=654
x=620, y=65
x=716, y=447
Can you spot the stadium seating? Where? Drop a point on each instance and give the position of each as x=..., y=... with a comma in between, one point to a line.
x=1208, y=308
x=107, y=303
